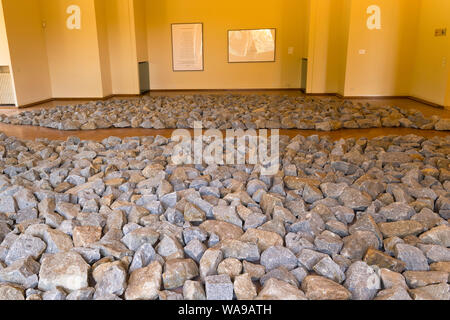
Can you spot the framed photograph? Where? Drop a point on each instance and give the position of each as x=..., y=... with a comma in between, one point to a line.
x=252, y=45
x=187, y=47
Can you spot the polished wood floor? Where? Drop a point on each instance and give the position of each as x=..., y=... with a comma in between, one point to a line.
x=31, y=132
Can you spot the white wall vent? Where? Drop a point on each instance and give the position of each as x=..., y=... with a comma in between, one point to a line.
x=6, y=87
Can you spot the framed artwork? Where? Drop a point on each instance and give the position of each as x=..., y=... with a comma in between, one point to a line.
x=252, y=45
x=187, y=47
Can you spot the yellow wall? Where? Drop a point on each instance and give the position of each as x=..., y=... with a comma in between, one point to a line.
x=403, y=58
x=140, y=24
x=27, y=50
x=217, y=18
x=4, y=49
x=447, y=94
x=122, y=46
x=431, y=78
x=103, y=45
x=73, y=55
x=385, y=70
x=327, y=45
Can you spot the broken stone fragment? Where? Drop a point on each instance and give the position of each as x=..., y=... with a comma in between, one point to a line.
x=321, y=288
x=416, y=279
x=193, y=290
x=280, y=273
x=209, y=262
x=231, y=267
x=329, y=269
x=84, y=236
x=11, y=292
x=66, y=269
x=413, y=257
x=279, y=290
x=244, y=287
x=22, y=272
x=394, y=293
x=145, y=283
x=256, y=271
x=377, y=258
x=177, y=271
x=401, y=228
x=223, y=229
x=240, y=250
x=139, y=236
x=390, y=279
x=219, y=287
x=23, y=247
x=362, y=281
x=110, y=278
x=432, y=292
x=277, y=256
x=439, y=236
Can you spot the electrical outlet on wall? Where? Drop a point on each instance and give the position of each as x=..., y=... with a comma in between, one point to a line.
x=291, y=50
x=440, y=32
x=362, y=51
x=444, y=62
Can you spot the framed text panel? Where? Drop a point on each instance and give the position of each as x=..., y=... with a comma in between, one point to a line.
x=252, y=45
x=187, y=47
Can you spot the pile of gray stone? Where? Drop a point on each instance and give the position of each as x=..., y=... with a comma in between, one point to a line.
x=352, y=219
x=226, y=112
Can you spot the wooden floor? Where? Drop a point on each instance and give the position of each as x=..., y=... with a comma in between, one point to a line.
x=32, y=132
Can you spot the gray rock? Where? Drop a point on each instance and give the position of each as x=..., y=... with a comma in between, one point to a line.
x=170, y=247
x=56, y=294
x=81, y=294
x=240, y=250
x=357, y=244
x=328, y=242
x=195, y=249
x=278, y=256
x=362, y=281
x=23, y=247
x=227, y=214
x=311, y=194
x=395, y=293
x=110, y=278
x=280, y=273
x=138, y=237
x=329, y=269
x=219, y=287
x=439, y=236
x=22, y=272
x=436, y=253
x=8, y=204
x=355, y=199
x=432, y=292
x=142, y=257
x=413, y=257
x=397, y=211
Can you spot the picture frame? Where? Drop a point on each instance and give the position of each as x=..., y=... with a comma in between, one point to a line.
x=187, y=47
x=252, y=45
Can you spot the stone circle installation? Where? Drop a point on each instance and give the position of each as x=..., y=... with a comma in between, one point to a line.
x=226, y=112
x=352, y=219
